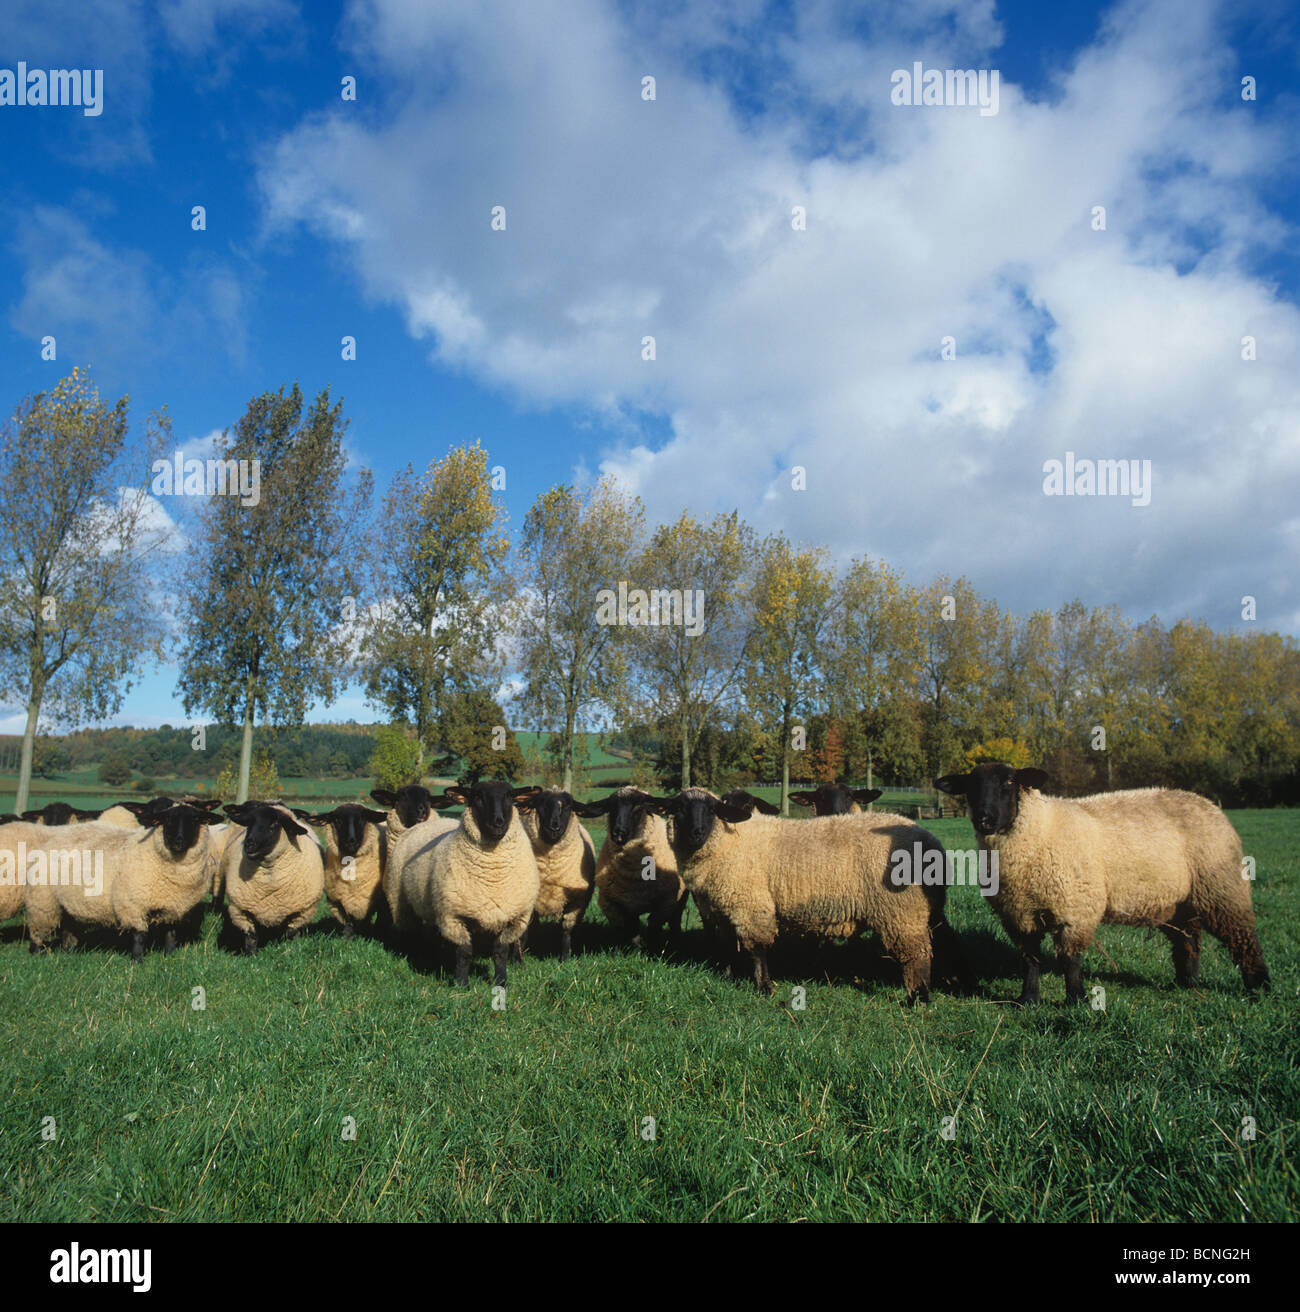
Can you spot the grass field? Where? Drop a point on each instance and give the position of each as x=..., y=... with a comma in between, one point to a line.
x=760, y=1110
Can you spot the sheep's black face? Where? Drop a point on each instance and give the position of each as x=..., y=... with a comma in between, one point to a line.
x=412, y=802
x=626, y=815
x=349, y=823
x=181, y=826
x=59, y=813
x=835, y=799
x=692, y=819
x=992, y=793
x=493, y=807
x=263, y=826
x=553, y=812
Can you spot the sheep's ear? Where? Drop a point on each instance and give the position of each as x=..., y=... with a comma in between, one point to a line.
x=375, y=817
x=384, y=797
x=323, y=819
x=1031, y=777
x=137, y=808
x=592, y=809
x=527, y=801
x=237, y=811
x=734, y=812
x=803, y=798
x=659, y=805
x=528, y=791
x=865, y=795
x=292, y=829
x=86, y=815
x=32, y=815
x=953, y=784
x=202, y=803
x=764, y=807
x=8, y=818
x=453, y=797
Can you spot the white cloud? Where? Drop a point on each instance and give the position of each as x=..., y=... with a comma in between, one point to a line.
x=115, y=304
x=821, y=348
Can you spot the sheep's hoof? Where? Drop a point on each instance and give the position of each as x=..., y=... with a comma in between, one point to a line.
x=169, y=941
x=349, y=927
x=137, y=947
x=250, y=942
x=1256, y=981
x=293, y=931
x=1027, y=1000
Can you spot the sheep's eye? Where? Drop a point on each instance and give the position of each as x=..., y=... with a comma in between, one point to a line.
x=1006, y=783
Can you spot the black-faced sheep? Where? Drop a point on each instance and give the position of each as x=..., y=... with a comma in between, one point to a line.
x=832, y=876
x=1147, y=856
x=156, y=874
x=636, y=871
x=566, y=858
x=477, y=883
x=355, y=855
x=271, y=876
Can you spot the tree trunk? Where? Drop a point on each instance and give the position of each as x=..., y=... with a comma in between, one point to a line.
x=245, y=752
x=570, y=716
x=29, y=746
x=785, y=763
x=686, y=753
x=868, y=767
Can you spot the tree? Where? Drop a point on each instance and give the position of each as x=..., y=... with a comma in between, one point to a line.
x=686, y=673
x=954, y=622
x=793, y=600
x=263, y=608
x=115, y=769
x=439, y=613
x=575, y=546
x=262, y=781
x=873, y=647
x=78, y=536
x=475, y=736
x=396, y=758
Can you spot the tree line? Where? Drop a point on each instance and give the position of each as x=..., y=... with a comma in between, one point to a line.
x=719, y=653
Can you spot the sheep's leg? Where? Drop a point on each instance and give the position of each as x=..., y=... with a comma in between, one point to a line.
x=1235, y=929
x=500, y=954
x=67, y=938
x=349, y=926
x=758, y=956
x=138, y=938
x=675, y=928
x=1185, y=942
x=250, y=942
x=463, y=953
x=522, y=941
x=1029, y=945
x=567, y=925
x=169, y=941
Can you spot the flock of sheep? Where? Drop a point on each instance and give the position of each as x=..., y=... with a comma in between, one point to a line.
x=1152, y=857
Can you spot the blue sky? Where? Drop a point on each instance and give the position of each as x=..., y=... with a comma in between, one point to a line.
x=671, y=217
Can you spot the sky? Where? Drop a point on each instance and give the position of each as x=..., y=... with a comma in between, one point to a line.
x=799, y=247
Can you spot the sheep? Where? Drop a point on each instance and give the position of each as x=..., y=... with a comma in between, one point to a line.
x=59, y=813
x=566, y=860
x=129, y=815
x=1145, y=856
x=836, y=799
x=477, y=880
x=832, y=876
x=355, y=856
x=270, y=877
x=156, y=874
x=636, y=871
x=410, y=805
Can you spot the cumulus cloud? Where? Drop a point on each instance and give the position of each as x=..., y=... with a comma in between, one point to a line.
x=777, y=347
x=113, y=304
